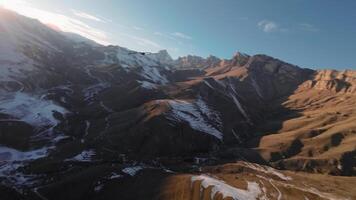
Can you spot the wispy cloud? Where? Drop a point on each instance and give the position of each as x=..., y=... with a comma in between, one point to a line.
x=85, y=30
x=158, y=33
x=63, y=22
x=268, y=26
x=168, y=36
x=85, y=15
x=146, y=42
x=137, y=28
x=142, y=41
x=181, y=35
x=308, y=27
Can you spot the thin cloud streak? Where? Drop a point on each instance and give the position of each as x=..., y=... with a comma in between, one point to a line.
x=137, y=28
x=87, y=16
x=144, y=42
x=164, y=35
x=181, y=35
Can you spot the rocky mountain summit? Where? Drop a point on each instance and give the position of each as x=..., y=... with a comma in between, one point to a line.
x=79, y=120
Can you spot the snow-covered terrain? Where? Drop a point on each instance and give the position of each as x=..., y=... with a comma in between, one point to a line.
x=93, y=90
x=13, y=64
x=269, y=170
x=152, y=74
x=148, y=85
x=162, y=57
x=31, y=109
x=126, y=56
x=11, y=160
x=256, y=87
x=84, y=156
x=9, y=154
x=220, y=187
x=198, y=115
x=234, y=95
x=132, y=171
x=149, y=65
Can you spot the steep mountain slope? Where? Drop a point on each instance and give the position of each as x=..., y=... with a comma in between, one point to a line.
x=79, y=120
x=322, y=137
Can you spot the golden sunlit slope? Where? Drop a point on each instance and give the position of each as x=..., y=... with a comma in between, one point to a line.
x=234, y=181
x=323, y=137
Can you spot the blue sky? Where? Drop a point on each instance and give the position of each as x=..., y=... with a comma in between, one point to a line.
x=309, y=33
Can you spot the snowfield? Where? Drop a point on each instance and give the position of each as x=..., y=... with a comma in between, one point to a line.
x=9, y=154
x=147, y=64
x=152, y=74
x=13, y=63
x=198, y=114
x=30, y=109
x=220, y=187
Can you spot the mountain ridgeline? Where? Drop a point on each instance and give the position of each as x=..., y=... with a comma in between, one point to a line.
x=79, y=120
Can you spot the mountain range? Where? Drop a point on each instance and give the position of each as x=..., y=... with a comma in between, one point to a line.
x=79, y=120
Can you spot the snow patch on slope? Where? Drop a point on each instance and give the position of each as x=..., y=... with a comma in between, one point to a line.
x=9, y=154
x=11, y=160
x=220, y=187
x=93, y=90
x=133, y=58
x=146, y=63
x=256, y=87
x=132, y=171
x=269, y=170
x=147, y=85
x=152, y=74
x=231, y=92
x=12, y=63
x=84, y=156
x=198, y=114
x=30, y=109
x=234, y=95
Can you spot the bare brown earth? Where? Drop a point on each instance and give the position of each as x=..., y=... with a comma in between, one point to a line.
x=323, y=136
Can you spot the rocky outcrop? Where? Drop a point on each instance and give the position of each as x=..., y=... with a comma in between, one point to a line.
x=162, y=56
x=332, y=80
x=196, y=62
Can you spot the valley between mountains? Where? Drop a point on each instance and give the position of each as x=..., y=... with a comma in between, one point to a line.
x=79, y=120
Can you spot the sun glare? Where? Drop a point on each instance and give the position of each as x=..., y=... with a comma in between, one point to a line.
x=25, y=8
x=52, y=19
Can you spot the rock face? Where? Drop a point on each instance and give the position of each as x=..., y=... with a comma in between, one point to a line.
x=337, y=81
x=196, y=62
x=72, y=111
x=162, y=56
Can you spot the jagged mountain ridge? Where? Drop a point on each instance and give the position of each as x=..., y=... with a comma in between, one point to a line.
x=72, y=103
